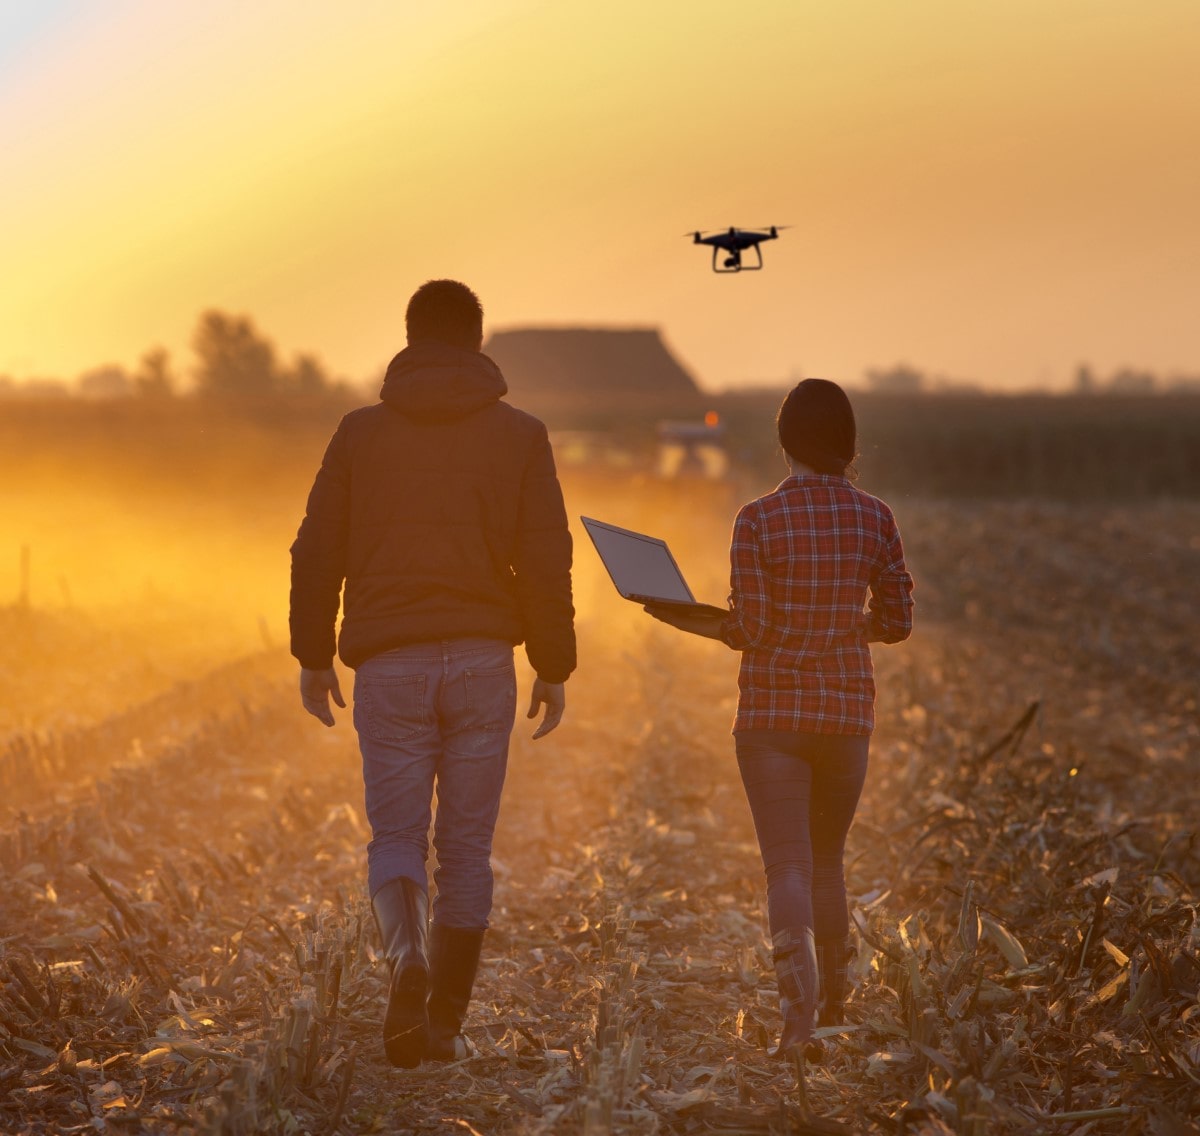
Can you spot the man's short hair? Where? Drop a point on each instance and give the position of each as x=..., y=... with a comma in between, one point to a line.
x=445, y=311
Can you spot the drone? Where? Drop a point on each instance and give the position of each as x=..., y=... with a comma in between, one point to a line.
x=734, y=242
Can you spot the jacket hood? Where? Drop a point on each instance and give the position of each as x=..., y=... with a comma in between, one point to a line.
x=435, y=382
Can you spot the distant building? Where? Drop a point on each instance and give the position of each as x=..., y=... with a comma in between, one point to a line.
x=1129, y=381
x=105, y=382
x=33, y=390
x=900, y=379
x=574, y=375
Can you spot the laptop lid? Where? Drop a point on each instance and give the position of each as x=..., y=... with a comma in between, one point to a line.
x=641, y=566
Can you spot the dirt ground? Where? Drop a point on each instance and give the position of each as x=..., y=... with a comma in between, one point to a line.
x=185, y=945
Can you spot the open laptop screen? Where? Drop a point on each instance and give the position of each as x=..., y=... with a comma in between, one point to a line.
x=639, y=565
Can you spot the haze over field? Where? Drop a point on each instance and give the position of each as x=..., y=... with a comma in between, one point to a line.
x=990, y=192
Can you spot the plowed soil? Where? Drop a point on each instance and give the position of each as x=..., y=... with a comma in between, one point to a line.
x=185, y=944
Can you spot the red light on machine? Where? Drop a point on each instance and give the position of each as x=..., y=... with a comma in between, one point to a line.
x=712, y=418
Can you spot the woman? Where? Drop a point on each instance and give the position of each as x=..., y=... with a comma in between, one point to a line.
x=805, y=561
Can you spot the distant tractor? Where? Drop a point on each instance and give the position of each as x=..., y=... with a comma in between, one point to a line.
x=693, y=451
x=593, y=451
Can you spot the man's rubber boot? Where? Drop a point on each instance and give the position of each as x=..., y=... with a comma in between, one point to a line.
x=401, y=909
x=796, y=974
x=453, y=962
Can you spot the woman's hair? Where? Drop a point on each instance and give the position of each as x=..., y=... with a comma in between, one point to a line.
x=816, y=427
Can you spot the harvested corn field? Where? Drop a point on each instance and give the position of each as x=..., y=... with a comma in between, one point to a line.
x=186, y=945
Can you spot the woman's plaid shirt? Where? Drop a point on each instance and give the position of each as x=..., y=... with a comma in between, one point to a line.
x=805, y=560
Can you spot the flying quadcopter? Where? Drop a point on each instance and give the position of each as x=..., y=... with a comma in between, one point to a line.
x=734, y=242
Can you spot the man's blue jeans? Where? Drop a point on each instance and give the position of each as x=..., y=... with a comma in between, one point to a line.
x=436, y=713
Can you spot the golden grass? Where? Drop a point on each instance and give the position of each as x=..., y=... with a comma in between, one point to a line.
x=186, y=945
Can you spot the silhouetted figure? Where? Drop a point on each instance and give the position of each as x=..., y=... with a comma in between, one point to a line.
x=440, y=510
x=805, y=559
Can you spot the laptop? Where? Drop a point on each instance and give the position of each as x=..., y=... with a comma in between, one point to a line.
x=643, y=569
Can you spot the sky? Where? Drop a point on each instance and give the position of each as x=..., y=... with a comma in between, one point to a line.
x=988, y=192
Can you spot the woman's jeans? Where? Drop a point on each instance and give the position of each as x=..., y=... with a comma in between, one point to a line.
x=436, y=713
x=803, y=790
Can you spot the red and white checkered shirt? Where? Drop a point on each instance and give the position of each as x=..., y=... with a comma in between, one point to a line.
x=805, y=560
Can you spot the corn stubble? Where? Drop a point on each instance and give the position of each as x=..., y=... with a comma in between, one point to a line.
x=186, y=946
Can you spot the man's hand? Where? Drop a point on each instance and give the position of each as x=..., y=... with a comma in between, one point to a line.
x=555, y=698
x=315, y=689
x=707, y=624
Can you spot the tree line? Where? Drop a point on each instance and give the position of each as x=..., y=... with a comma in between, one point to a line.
x=233, y=361
x=903, y=379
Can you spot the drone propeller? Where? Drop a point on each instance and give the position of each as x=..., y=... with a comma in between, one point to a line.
x=694, y=233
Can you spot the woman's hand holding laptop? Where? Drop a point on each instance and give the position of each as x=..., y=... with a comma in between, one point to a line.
x=697, y=622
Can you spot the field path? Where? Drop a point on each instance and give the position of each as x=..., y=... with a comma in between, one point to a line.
x=186, y=945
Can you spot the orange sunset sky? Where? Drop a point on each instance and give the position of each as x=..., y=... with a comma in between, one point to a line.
x=989, y=191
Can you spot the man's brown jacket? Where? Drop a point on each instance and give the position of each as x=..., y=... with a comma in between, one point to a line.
x=440, y=510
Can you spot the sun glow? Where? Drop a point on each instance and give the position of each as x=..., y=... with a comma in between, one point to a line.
x=309, y=166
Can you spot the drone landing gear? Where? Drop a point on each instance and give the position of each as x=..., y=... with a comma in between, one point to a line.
x=733, y=260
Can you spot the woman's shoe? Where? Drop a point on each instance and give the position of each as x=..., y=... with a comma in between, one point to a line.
x=833, y=963
x=796, y=974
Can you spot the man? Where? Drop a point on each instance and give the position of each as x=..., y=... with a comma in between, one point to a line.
x=440, y=511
